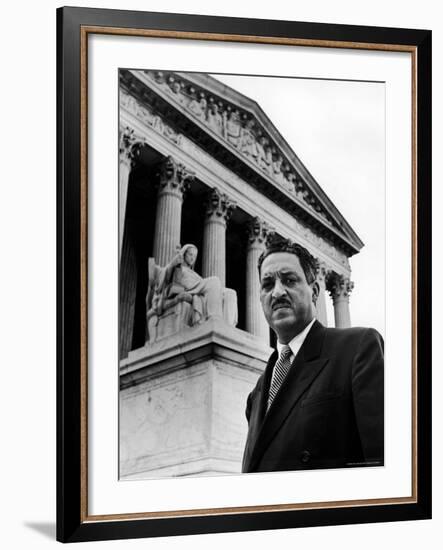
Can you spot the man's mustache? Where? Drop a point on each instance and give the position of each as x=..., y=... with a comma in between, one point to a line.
x=280, y=302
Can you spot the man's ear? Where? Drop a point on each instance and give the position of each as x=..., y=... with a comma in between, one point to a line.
x=315, y=291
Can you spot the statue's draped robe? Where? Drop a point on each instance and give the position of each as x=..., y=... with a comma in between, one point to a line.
x=206, y=293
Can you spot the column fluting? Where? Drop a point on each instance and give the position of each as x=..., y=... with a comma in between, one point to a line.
x=256, y=324
x=322, y=315
x=127, y=142
x=218, y=211
x=174, y=180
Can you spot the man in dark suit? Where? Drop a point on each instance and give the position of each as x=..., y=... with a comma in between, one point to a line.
x=319, y=402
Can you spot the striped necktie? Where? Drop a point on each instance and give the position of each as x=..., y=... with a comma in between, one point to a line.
x=281, y=369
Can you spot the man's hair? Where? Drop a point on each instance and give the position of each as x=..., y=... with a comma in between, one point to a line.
x=275, y=243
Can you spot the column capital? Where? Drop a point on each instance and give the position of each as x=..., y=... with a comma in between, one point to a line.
x=323, y=271
x=257, y=231
x=128, y=140
x=338, y=286
x=174, y=178
x=219, y=206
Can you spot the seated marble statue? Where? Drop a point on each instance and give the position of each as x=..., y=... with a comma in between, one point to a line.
x=178, y=283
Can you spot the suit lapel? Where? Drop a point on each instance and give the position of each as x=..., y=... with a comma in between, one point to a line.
x=306, y=366
x=258, y=412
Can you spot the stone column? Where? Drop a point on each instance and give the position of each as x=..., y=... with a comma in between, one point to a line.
x=255, y=320
x=218, y=211
x=322, y=315
x=127, y=141
x=174, y=180
x=128, y=293
x=340, y=288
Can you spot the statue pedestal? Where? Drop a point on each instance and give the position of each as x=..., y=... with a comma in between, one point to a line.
x=183, y=399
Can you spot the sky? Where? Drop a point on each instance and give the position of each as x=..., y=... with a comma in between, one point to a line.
x=337, y=129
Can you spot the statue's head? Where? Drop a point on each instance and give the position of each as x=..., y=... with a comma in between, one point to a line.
x=189, y=252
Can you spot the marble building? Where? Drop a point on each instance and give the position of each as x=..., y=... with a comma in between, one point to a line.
x=202, y=164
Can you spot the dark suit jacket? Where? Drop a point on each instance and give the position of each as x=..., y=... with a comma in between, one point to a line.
x=328, y=412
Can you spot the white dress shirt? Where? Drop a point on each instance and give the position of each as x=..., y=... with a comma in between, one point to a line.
x=295, y=344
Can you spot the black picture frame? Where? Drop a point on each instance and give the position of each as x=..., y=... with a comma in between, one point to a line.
x=73, y=522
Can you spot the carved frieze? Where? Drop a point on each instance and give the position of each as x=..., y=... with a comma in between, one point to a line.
x=319, y=243
x=148, y=117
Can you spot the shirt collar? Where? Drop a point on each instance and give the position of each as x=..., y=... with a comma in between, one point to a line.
x=296, y=343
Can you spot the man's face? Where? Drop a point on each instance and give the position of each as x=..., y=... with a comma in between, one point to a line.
x=285, y=295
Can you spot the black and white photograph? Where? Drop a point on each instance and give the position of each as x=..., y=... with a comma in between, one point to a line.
x=219, y=322
x=251, y=274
